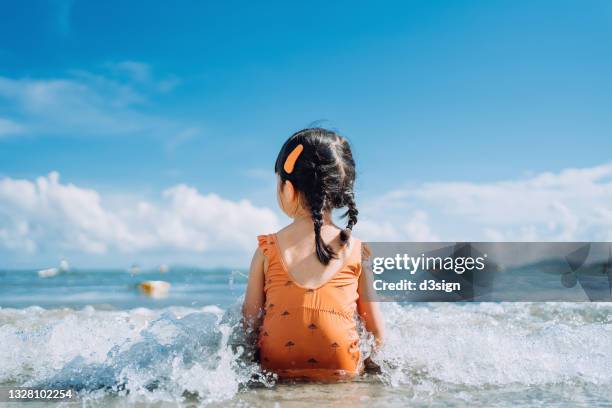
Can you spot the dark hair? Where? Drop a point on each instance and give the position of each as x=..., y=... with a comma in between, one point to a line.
x=324, y=173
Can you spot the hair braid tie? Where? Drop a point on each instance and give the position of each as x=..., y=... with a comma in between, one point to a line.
x=351, y=213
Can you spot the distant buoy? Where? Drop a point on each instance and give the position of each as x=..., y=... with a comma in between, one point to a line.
x=51, y=272
x=48, y=273
x=154, y=289
x=64, y=266
x=163, y=268
x=134, y=269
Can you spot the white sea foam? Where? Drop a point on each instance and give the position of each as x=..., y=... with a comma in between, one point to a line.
x=150, y=355
x=451, y=351
x=499, y=344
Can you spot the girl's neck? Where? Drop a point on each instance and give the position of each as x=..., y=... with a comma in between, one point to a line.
x=307, y=218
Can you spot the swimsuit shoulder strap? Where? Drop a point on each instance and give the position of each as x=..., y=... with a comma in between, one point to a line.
x=360, y=252
x=267, y=245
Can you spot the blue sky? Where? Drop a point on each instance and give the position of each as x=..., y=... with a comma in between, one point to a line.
x=131, y=98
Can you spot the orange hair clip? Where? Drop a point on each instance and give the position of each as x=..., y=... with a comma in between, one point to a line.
x=292, y=158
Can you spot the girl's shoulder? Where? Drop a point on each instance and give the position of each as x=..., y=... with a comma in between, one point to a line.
x=269, y=238
x=366, y=252
x=265, y=240
x=266, y=245
x=359, y=247
x=281, y=231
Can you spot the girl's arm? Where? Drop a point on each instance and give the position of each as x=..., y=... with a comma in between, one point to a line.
x=254, y=297
x=368, y=309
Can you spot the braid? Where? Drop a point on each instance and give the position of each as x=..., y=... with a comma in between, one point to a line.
x=351, y=213
x=324, y=252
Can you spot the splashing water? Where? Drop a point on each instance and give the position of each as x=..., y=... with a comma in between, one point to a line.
x=443, y=354
x=144, y=354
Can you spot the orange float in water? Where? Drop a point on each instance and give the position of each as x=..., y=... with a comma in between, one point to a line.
x=154, y=288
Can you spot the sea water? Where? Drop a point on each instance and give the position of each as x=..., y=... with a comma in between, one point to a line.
x=93, y=331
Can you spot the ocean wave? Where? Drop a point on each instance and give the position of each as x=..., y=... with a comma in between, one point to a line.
x=491, y=344
x=179, y=352
x=150, y=355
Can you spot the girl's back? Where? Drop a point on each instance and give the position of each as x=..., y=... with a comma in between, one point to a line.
x=309, y=326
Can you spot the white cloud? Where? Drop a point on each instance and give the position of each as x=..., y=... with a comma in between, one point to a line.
x=137, y=71
x=9, y=127
x=46, y=215
x=86, y=103
x=412, y=226
x=182, y=137
x=141, y=74
x=573, y=204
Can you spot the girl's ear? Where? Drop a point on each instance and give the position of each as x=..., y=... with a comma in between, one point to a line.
x=289, y=192
x=288, y=198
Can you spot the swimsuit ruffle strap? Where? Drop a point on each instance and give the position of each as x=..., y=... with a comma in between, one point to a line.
x=266, y=244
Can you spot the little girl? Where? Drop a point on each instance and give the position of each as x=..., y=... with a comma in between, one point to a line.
x=306, y=279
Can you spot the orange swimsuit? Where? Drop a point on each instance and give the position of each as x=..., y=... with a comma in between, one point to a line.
x=309, y=333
